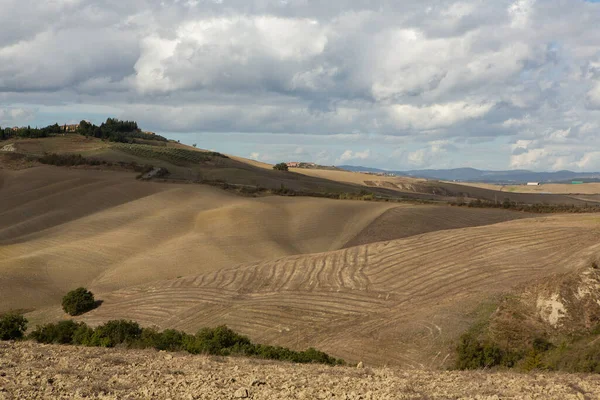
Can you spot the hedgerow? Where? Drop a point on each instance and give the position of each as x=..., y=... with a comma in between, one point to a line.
x=538, y=208
x=219, y=341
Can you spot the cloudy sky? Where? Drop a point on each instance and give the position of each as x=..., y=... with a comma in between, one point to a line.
x=395, y=84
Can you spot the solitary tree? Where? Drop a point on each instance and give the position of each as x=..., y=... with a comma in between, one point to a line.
x=78, y=301
x=280, y=167
x=12, y=326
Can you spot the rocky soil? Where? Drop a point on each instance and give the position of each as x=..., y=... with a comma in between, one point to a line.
x=33, y=371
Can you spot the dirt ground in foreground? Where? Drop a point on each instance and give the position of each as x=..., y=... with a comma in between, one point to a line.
x=33, y=371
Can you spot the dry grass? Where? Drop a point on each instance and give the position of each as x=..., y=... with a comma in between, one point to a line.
x=70, y=143
x=357, y=178
x=66, y=227
x=402, y=302
x=555, y=188
x=280, y=270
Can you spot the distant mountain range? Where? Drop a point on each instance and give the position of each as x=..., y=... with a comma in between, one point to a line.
x=476, y=175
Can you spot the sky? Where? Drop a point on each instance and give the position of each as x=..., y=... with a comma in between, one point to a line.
x=405, y=84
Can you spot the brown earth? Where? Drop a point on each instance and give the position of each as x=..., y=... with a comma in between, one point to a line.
x=403, y=302
x=449, y=190
x=32, y=371
x=62, y=227
x=241, y=171
x=401, y=222
x=556, y=188
x=58, y=144
x=380, y=282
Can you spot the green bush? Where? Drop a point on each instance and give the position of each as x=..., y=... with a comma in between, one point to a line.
x=78, y=301
x=532, y=361
x=541, y=345
x=220, y=341
x=83, y=335
x=281, y=167
x=12, y=326
x=59, y=333
x=582, y=356
x=69, y=160
x=472, y=354
x=169, y=339
x=217, y=341
x=115, y=333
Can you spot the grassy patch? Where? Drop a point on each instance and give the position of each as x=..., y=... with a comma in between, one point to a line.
x=173, y=155
x=495, y=342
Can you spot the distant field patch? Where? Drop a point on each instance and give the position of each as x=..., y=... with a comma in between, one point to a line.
x=176, y=156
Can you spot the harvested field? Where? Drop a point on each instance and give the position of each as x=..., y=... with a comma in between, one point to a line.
x=35, y=371
x=401, y=222
x=402, y=302
x=356, y=177
x=556, y=188
x=495, y=195
x=67, y=227
x=61, y=228
x=58, y=144
x=450, y=190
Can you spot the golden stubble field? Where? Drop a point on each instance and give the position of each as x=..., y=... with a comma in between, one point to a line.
x=381, y=282
x=66, y=227
x=555, y=188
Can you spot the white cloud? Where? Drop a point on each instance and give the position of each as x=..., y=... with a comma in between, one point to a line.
x=349, y=155
x=593, y=96
x=15, y=115
x=404, y=72
x=436, y=115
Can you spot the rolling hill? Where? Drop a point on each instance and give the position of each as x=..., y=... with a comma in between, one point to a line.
x=401, y=302
x=477, y=175
x=384, y=282
x=63, y=227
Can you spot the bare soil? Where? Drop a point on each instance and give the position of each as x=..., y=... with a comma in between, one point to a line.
x=402, y=222
x=33, y=371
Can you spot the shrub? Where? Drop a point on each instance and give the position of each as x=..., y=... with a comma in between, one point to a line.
x=169, y=339
x=541, y=345
x=12, y=326
x=281, y=167
x=116, y=332
x=69, y=160
x=217, y=341
x=220, y=341
x=532, y=361
x=582, y=355
x=59, y=333
x=78, y=301
x=472, y=354
x=83, y=335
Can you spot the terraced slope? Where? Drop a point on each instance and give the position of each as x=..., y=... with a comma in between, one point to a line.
x=399, y=302
x=60, y=228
